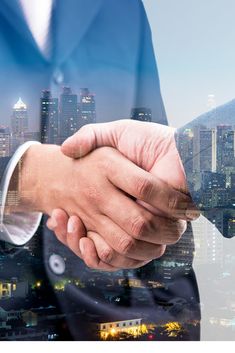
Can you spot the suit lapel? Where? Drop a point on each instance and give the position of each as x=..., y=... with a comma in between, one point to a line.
x=70, y=22
x=13, y=14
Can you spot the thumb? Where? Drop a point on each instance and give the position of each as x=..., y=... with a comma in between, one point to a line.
x=88, y=138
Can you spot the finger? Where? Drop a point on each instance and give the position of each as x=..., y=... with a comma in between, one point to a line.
x=148, y=188
x=125, y=244
x=75, y=231
x=90, y=256
x=139, y=222
x=109, y=256
x=88, y=138
x=58, y=224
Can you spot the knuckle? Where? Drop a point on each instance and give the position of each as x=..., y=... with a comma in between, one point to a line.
x=173, y=203
x=93, y=194
x=176, y=230
x=144, y=188
x=104, y=162
x=181, y=228
x=138, y=226
x=106, y=255
x=126, y=245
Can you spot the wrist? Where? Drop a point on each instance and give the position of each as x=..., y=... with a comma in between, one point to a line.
x=33, y=175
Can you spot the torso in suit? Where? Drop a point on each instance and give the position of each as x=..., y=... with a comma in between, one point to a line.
x=105, y=46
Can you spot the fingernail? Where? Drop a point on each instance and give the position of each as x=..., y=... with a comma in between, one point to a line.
x=192, y=214
x=71, y=226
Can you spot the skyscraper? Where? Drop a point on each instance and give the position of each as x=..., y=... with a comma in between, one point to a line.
x=204, y=150
x=225, y=147
x=141, y=114
x=19, y=119
x=68, y=122
x=49, y=117
x=87, y=107
x=4, y=142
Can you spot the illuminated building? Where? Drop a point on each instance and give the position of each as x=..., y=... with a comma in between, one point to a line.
x=133, y=328
x=185, y=146
x=4, y=142
x=204, y=149
x=13, y=289
x=208, y=150
x=225, y=146
x=18, y=140
x=177, y=258
x=49, y=118
x=208, y=244
x=141, y=114
x=211, y=102
x=173, y=329
x=68, y=116
x=19, y=119
x=131, y=282
x=231, y=226
x=87, y=107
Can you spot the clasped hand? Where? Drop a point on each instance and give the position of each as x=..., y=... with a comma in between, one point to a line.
x=126, y=198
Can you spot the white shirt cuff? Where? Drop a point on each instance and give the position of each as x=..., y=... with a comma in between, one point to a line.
x=17, y=228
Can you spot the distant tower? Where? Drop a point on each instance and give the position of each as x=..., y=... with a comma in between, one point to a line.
x=68, y=113
x=19, y=119
x=141, y=114
x=49, y=117
x=87, y=107
x=211, y=102
x=225, y=147
x=4, y=142
x=204, y=150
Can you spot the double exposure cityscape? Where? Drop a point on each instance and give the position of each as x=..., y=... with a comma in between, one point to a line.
x=29, y=307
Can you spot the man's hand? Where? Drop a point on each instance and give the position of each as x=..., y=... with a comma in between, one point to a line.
x=152, y=147
x=125, y=234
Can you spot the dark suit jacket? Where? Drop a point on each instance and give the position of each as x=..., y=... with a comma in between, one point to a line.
x=104, y=45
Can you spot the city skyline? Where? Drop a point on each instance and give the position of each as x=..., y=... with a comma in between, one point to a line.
x=192, y=42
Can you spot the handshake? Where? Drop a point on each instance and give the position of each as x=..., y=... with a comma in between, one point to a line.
x=116, y=193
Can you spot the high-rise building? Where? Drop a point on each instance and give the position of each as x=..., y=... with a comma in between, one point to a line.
x=4, y=142
x=13, y=288
x=231, y=226
x=208, y=244
x=204, y=150
x=211, y=102
x=68, y=116
x=185, y=146
x=19, y=119
x=141, y=114
x=86, y=107
x=49, y=118
x=225, y=147
x=213, y=181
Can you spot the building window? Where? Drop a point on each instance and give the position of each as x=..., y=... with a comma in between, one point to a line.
x=104, y=327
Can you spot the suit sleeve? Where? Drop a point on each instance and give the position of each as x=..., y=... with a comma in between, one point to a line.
x=15, y=228
x=212, y=187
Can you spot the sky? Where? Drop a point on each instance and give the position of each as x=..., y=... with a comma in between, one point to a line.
x=194, y=42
